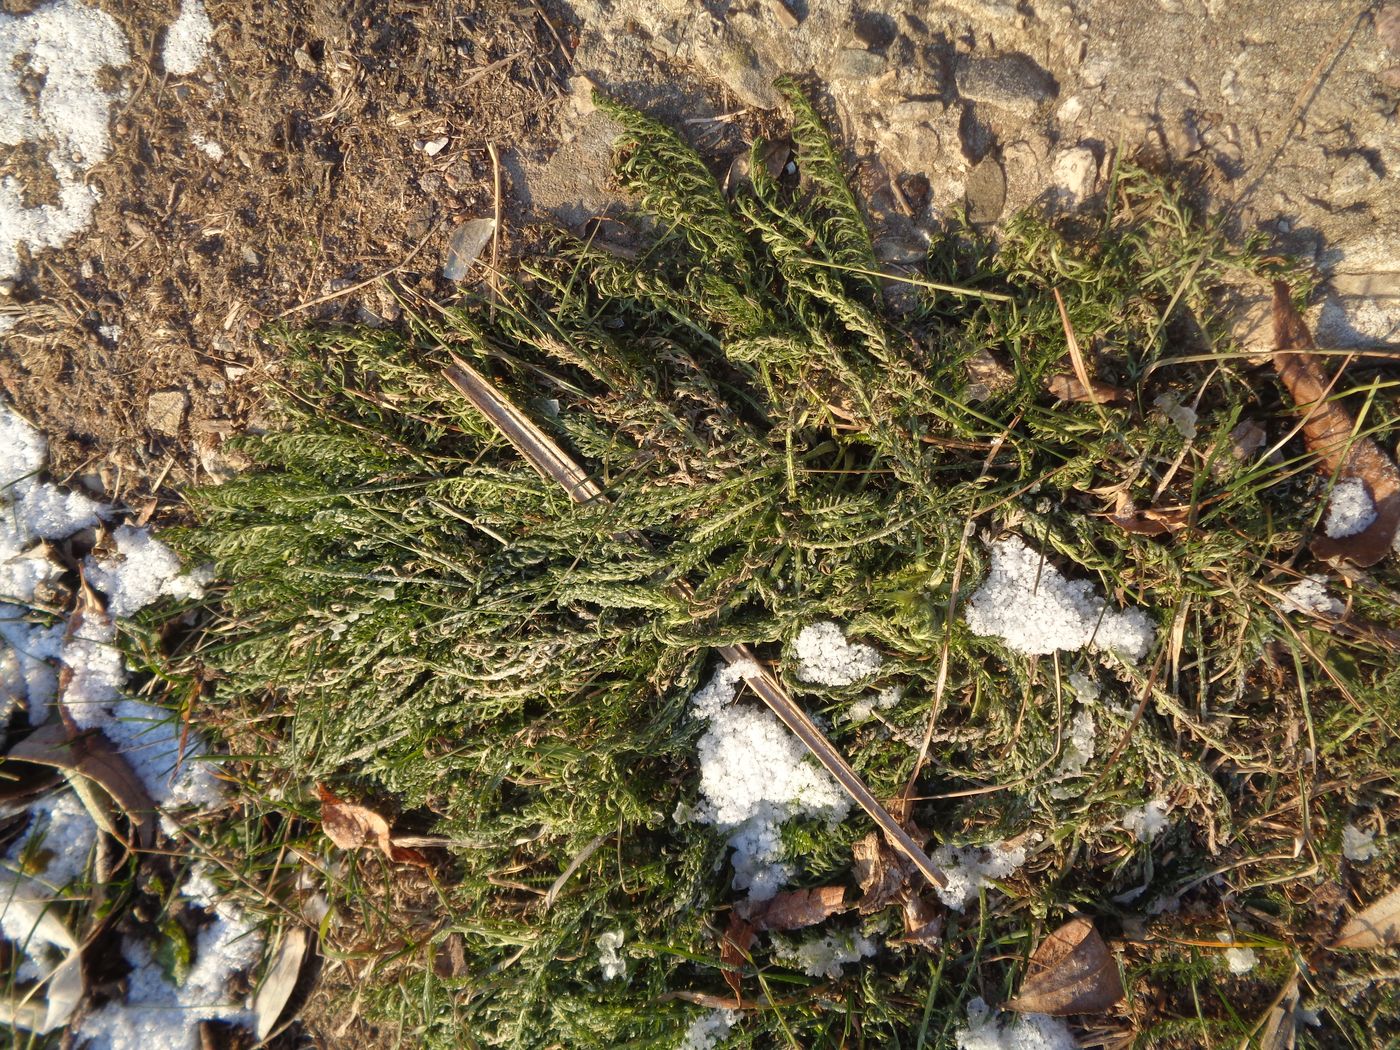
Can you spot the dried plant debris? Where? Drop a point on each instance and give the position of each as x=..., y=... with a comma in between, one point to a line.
x=1364, y=529
x=532, y=570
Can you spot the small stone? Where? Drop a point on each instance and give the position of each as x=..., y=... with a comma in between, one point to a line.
x=1075, y=172
x=435, y=146
x=465, y=246
x=986, y=191
x=874, y=31
x=165, y=411
x=1012, y=82
x=853, y=63
x=1070, y=110
x=784, y=14
x=1354, y=180
x=1182, y=137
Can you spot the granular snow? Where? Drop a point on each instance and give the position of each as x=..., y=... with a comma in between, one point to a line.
x=1358, y=846
x=754, y=775
x=1309, y=595
x=1078, y=751
x=709, y=1030
x=1034, y=610
x=1148, y=820
x=610, y=959
x=51, y=63
x=1238, y=960
x=187, y=39
x=866, y=706
x=1350, y=509
x=58, y=841
x=968, y=870
x=142, y=571
x=825, y=956
x=1017, y=1032
x=825, y=657
x=207, y=146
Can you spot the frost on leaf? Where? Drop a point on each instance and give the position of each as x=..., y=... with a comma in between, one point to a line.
x=1034, y=610
x=1148, y=820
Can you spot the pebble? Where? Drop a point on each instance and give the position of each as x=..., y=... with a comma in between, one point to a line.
x=165, y=410
x=1012, y=82
x=466, y=244
x=1076, y=171
x=435, y=146
x=853, y=63
x=986, y=191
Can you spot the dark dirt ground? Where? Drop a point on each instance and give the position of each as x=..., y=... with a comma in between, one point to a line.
x=321, y=109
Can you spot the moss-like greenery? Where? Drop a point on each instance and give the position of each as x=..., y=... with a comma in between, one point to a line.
x=420, y=619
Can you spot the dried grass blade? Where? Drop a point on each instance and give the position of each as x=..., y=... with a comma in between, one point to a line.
x=547, y=458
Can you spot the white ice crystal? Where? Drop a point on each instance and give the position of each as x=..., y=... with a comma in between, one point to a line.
x=1030, y=606
x=187, y=39
x=1358, y=845
x=1238, y=960
x=1309, y=595
x=754, y=775
x=825, y=956
x=968, y=870
x=709, y=1030
x=60, y=837
x=825, y=657
x=866, y=706
x=51, y=95
x=1079, y=746
x=1148, y=820
x=1017, y=1032
x=610, y=959
x=1086, y=690
x=1350, y=509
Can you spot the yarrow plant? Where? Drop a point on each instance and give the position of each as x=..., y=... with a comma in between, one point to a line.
x=891, y=507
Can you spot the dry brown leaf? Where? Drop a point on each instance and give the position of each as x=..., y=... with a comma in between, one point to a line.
x=1150, y=521
x=281, y=980
x=1327, y=431
x=734, y=951
x=89, y=757
x=1071, y=388
x=1377, y=926
x=450, y=959
x=882, y=874
x=923, y=922
x=1071, y=972
x=352, y=827
x=794, y=909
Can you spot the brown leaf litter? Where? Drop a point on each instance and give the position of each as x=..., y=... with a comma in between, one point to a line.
x=352, y=827
x=1328, y=431
x=1071, y=972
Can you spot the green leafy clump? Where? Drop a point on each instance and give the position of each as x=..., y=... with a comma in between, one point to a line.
x=432, y=622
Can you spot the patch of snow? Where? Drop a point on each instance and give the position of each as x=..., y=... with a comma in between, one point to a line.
x=1358, y=845
x=1034, y=610
x=50, y=62
x=1309, y=595
x=1086, y=689
x=1078, y=751
x=60, y=837
x=754, y=775
x=1016, y=1032
x=110, y=332
x=866, y=706
x=207, y=146
x=1238, y=960
x=709, y=1030
x=1148, y=820
x=610, y=959
x=142, y=571
x=187, y=39
x=825, y=956
x=1350, y=510
x=825, y=657
x=970, y=869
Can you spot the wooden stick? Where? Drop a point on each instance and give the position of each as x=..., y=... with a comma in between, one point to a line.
x=553, y=464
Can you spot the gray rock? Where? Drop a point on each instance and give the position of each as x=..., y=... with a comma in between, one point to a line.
x=986, y=191
x=165, y=411
x=853, y=63
x=1013, y=82
x=1354, y=180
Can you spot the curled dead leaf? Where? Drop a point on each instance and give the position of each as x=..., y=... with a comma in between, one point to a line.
x=1328, y=430
x=352, y=827
x=794, y=909
x=1072, y=972
x=1376, y=926
x=923, y=921
x=1150, y=521
x=276, y=991
x=1066, y=387
x=734, y=951
x=89, y=758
